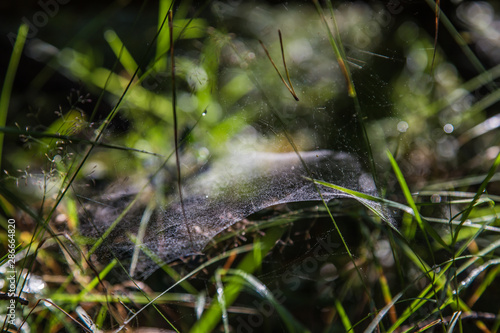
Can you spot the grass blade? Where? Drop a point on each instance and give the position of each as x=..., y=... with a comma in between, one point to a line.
x=343, y=316
x=121, y=52
x=9, y=79
x=425, y=227
x=212, y=316
x=373, y=325
x=291, y=323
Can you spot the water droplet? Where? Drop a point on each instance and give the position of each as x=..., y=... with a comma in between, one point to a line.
x=435, y=198
x=448, y=128
x=204, y=113
x=402, y=126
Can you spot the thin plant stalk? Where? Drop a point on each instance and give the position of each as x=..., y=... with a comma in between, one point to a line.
x=176, y=130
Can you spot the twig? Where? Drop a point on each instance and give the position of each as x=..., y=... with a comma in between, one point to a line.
x=21, y=300
x=289, y=87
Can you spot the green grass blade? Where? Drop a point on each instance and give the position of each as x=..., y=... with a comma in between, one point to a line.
x=365, y=198
x=409, y=198
x=98, y=280
x=481, y=189
x=212, y=316
x=221, y=298
x=121, y=52
x=290, y=322
x=9, y=79
x=343, y=316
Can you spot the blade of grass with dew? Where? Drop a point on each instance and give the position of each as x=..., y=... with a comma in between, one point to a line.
x=478, y=256
x=212, y=316
x=479, y=192
x=129, y=298
x=9, y=79
x=409, y=198
x=363, y=198
x=221, y=299
x=381, y=314
x=86, y=318
x=455, y=318
x=428, y=292
x=344, y=318
x=290, y=322
x=483, y=286
x=459, y=194
x=475, y=273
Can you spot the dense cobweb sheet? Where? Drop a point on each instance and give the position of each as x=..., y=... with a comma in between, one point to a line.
x=227, y=191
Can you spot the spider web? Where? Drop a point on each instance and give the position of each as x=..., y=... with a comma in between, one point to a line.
x=219, y=196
